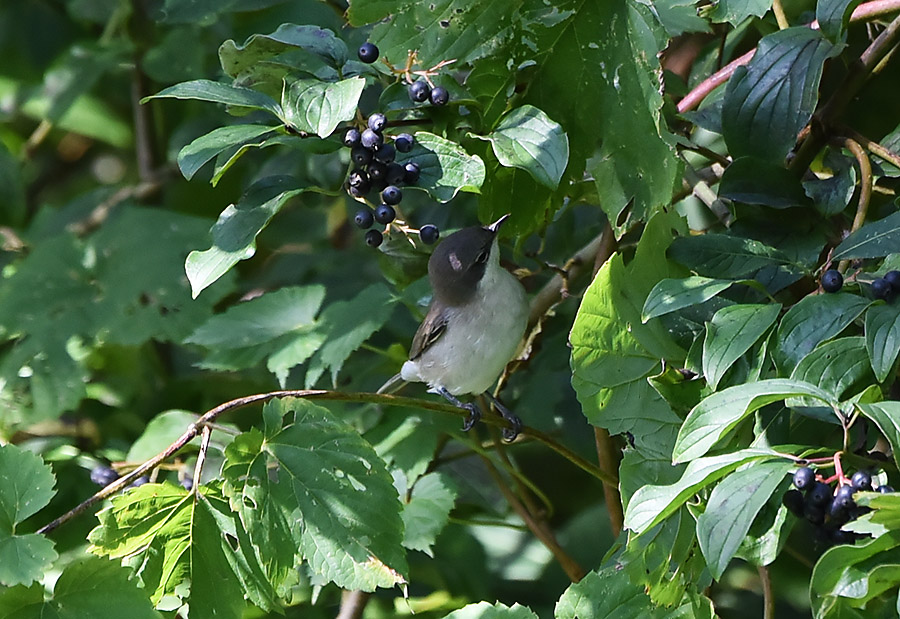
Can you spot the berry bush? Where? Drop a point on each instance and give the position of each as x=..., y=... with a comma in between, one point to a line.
x=217, y=217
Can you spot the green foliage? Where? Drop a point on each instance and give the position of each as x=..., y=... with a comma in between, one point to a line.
x=671, y=227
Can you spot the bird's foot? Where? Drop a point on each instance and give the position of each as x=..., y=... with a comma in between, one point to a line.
x=515, y=424
x=472, y=418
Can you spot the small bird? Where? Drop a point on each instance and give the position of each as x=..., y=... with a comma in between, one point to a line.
x=474, y=324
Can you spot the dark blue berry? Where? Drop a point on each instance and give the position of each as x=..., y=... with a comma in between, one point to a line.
x=140, y=481
x=377, y=171
x=360, y=156
x=439, y=96
x=396, y=174
x=357, y=178
x=359, y=191
x=881, y=289
x=803, y=478
x=838, y=513
x=884, y=489
x=814, y=513
x=103, y=475
x=891, y=277
x=832, y=280
x=861, y=480
x=187, y=483
x=419, y=91
x=792, y=499
x=411, y=172
x=429, y=233
x=842, y=537
x=377, y=122
x=385, y=153
x=374, y=238
x=368, y=52
x=844, y=497
x=385, y=214
x=351, y=137
x=370, y=139
x=819, y=494
x=392, y=195
x=404, y=143
x=364, y=218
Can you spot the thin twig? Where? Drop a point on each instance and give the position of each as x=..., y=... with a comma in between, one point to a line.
x=875, y=148
x=780, y=17
x=768, y=597
x=353, y=603
x=201, y=457
x=865, y=188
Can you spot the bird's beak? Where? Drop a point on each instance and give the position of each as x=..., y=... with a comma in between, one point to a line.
x=496, y=225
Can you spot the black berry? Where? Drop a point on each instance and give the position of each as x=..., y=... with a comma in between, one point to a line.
x=861, y=480
x=368, y=53
x=377, y=122
x=881, y=289
x=411, y=173
x=364, y=218
x=404, y=143
x=357, y=178
x=370, y=139
x=419, y=91
x=385, y=214
x=439, y=95
x=351, y=137
x=187, y=483
x=392, y=195
x=103, y=475
x=832, y=280
x=429, y=233
x=377, y=171
x=819, y=494
x=844, y=497
x=385, y=153
x=360, y=190
x=840, y=536
x=374, y=238
x=803, y=478
x=814, y=513
x=891, y=277
x=396, y=174
x=360, y=156
x=884, y=489
x=792, y=499
x=140, y=481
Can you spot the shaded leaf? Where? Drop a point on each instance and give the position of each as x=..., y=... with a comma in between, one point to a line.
x=886, y=416
x=206, y=90
x=445, y=168
x=724, y=256
x=238, y=59
x=832, y=195
x=193, y=156
x=834, y=367
x=834, y=16
x=756, y=181
x=736, y=11
x=731, y=333
x=427, y=511
x=883, y=338
x=873, y=240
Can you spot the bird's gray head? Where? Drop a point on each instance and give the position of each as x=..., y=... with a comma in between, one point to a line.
x=460, y=261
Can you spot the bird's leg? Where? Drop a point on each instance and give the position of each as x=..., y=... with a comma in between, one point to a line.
x=474, y=412
x=515, y=424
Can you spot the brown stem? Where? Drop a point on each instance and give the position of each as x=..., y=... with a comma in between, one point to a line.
x=768, y=596
x=608, y=456
x=873, y=147
x=865, y=188
x=313, y=394
x=353, y=603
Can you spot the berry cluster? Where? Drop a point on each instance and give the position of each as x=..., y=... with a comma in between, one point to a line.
x=373, y=166
x=103, y=476
x=828, y=510
x=882, y=288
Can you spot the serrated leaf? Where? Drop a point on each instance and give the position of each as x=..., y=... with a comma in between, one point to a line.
x=813, y=320
x=873, y=240
x=26, y=486
x=216, y=92
x=193, y=156
x=732, y=507
x=724, y=256
x=670, y=295
x=886, y=416
x=445, y=168
x=527, y=138
x=652, y=504
x=332, y=497
x=90, y=587
x=833, y=17
x=771, y=99
x=722, y=411
x=318, y=107
x=731, y=333
x=882, y=338
x=834, y=367
x=234, y=234
x=238, y=59
x=427, y=512
x=736, y=11
x=485, y=610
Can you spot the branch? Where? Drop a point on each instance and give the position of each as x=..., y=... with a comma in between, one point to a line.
x=768, y=597
x=313, y=394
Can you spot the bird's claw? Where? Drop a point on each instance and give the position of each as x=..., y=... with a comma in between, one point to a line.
x=472, y=418
x=515, y=426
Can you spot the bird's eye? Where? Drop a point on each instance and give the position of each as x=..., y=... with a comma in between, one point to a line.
x=482, y=257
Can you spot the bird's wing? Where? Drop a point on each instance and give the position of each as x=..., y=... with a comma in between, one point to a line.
x=431, y=329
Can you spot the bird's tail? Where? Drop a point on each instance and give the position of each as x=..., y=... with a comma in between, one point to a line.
x=394, y=384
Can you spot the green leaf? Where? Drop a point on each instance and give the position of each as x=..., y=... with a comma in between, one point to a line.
x=527, y=138
x=679, y=17
x=346, y=325
x=26, y=486
x=731, y=333
x=652, y=504
x=445, y=168
x=834, y=367
x=732, y=507
x=332, y=499
x=427, y=511
x=883, y=338
x=671, y=295
x=234, y=234
x=726, y=257
x=238, y=60
x=193, y=156
x=855, y=573
x=756, y=181
x=318, y=107
x=813, y=320
x=90, y=587
x=886, y=416
x=771, y=99
x=721, y=412
x=186, y=549
x=484, y=610
x=206, y=90
x=736, y=11
x=161, y=432
x=873, y=240
x=834, y=16
x=832, y=195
